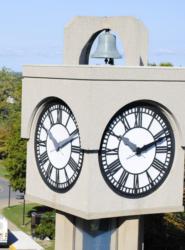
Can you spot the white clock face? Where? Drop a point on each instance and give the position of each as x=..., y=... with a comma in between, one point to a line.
x=137, y=150
x=57, y=147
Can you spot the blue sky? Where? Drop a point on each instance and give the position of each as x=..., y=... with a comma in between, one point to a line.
x=31, y=32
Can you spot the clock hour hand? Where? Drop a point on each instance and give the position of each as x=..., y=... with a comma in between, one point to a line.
x=128, y=143
x=66, y=141
x=149, y=145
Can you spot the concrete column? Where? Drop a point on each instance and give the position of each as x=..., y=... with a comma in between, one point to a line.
x=126, y=235
x=78, y=234
x=64, y=232
x=130, y=233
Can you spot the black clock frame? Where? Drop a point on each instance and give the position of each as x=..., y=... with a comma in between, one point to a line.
x=45, y=108
x=159, y=111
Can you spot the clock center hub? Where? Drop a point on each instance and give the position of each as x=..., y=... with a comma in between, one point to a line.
x=136, y=163
x=58, y=152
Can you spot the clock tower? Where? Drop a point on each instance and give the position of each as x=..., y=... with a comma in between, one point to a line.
x=105, y=143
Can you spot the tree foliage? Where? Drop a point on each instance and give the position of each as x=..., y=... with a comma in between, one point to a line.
x=12, y=147
x=15, y=160
x=162, y=64
x=166, y=64
x=46, y=228
x=165, y=231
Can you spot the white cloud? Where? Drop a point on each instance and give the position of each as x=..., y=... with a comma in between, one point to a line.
x=162, y=52
x=51, y=51
x=10, y=52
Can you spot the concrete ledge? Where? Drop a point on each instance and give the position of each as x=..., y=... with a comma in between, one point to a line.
x=105, y=73
x=24, y=242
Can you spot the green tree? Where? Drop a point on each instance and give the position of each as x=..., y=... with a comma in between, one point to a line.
x=164, y=231
x=162, y=64
x=46, y=228
x=166, y=64
x=15, y=160
x=9, y=104
x=152, y=64
x=12, y=147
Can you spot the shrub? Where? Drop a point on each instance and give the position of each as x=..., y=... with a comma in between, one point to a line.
x=46, y=228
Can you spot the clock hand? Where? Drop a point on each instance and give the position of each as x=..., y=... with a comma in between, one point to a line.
x=128, y=143
x=53, y=139
x=66, y=141
x=130, y=156
x=149, y=145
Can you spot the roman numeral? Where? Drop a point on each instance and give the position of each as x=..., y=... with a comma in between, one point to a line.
x=59, y=115
x=138, y=118
x=158, y=134
x=157, y=164
x=150, y=181
x=113, y=134
x=50, y=118
x=162, y=149
x=75, y=149
x=66, y=175
x=49, y=170
x=123, y=178
x=57, y=176
x=136, y=181
x=163, y=132
x=125, y=123
x=114, y=167
x=74, y=132
x=151, y=122
x=41, y=143
x=44, y=128
x=67, y=120
x=113, y=151
x=43, y=158
x=72, y=163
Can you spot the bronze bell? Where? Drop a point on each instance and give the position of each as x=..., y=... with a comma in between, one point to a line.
x=106, y=48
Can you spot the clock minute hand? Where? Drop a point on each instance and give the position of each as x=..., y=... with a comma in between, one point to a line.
x=149, y=145
x=53, y=139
